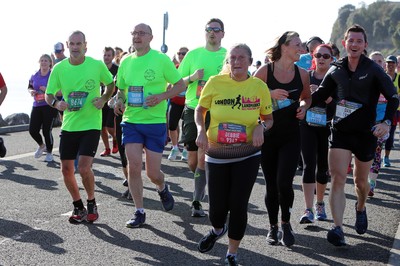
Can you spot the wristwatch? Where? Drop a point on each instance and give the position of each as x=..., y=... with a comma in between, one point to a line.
x=388, y=122
x=264, y=126
x=54, y=102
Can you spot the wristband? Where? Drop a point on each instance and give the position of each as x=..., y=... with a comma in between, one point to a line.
x=53, y=103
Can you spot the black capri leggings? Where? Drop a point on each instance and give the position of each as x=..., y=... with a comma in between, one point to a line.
x=314, y=151
x=118, y=135
x=229, y=189
x=42, y=117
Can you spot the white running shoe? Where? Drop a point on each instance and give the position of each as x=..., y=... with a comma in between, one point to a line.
x=49, y=157
x=39, y=151
x=173, y=154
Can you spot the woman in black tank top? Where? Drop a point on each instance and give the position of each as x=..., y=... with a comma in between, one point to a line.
x=289, y=87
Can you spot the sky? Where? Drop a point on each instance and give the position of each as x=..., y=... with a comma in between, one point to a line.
x=30, y=28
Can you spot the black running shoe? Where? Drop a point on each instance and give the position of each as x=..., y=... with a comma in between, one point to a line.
x=208, y=241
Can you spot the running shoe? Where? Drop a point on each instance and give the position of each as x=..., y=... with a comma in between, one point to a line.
x=287, y=235
x=184, y=156
x=197, y=210
x=115, y=147
x=335, y=236
x=92, y=214
x=272, y=237
x=127, y=194
x=386, y=162
x=173, y=154
x=361, y=221
x=320, y=213
x=125, y=183
x=78, y=215
x=231, y=260
x=207, y=242
x=49, y=157
x=39, y=152
x=308, y=217
x=137, y=220
x=372, y=185
x=106, y=152
x=166, y=199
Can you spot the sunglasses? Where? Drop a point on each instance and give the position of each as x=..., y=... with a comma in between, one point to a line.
x=324, y=56
x=181, y=53
x=214, y=29
x=139, y=33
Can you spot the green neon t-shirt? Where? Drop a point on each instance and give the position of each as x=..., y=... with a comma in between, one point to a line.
x=200, y=58
x=79, y=85
x=141, y=76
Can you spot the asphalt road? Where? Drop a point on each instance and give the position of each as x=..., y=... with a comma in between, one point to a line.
x=35, y=205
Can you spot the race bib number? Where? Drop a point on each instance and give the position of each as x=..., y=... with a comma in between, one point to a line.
x=344, y=109
x=200, y=86
x=231, y=133
x=280, y=104
x=316, y=116
x=76, y=100
x=135, y=96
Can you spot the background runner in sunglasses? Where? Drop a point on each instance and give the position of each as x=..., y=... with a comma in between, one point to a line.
x=196, y=68
x=314, y=132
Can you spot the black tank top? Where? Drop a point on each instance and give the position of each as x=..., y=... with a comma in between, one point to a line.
x=285, y=119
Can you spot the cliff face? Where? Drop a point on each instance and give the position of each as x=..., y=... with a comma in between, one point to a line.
x=380, y=20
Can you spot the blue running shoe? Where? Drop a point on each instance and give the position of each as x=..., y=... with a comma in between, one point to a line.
x=320, y=213
x=137, y=220
x=361, y=221
x=166, y=199
x=335, y=236
x=308, y=217
x=386, y=162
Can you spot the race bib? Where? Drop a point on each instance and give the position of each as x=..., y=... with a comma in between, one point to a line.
x=76, y=100
x=231, y=133
x=135, y=96
x=316, y=116
x=39, y=97
x=380, y=111
x=280, y=104
x=344, y=109
x=200, y=86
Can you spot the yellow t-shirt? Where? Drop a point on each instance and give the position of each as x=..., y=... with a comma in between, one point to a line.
x=234, y=107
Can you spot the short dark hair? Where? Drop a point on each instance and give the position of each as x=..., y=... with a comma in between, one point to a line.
x=107, y=48
x=218, y=21
x=355, y=28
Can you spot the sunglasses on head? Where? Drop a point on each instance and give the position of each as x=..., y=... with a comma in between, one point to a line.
x=181, y=53
x=214, y=29
x=324, y=56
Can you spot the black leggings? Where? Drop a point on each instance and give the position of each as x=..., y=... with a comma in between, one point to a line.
x=280, y=155
x=229, y=189
x=118, y=135
x=389, y=142
x=314, y=150
x=42, y=117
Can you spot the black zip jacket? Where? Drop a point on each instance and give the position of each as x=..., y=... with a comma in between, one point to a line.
x=362, y=86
